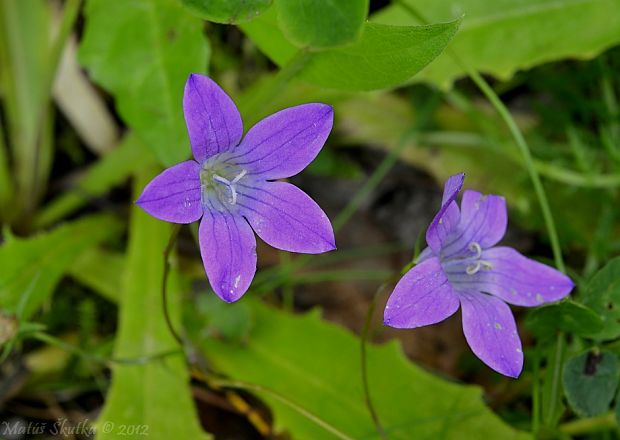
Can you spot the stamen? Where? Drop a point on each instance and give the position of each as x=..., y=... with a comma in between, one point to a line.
x=234, y=194
x=239, y=176
x=475, y=247
x=472, y=269
x=231, y=184
x=221, y=180
x=486, y=265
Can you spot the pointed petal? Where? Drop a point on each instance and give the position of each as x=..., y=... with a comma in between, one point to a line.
x=228, y=250
x=491, y=332
x=448, y=216
x=174, y=195
x=283, y=144
x=422, y=297
x=213, y=121
x=286, y=218
x=518, y=280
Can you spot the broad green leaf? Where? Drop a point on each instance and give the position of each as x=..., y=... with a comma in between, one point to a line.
x=32, y=267
x=156, y=394
x=590, y=382
x=228, y=11
x=323, y=24
x=212, y=318
x=602, y=294
x=384, y=56
x=568, y=316
x=316, y=365
x=142, y=52
x=111, y=169
x=503, y=36
x=266, y=34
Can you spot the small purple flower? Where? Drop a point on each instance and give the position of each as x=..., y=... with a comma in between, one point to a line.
x=230, y=184
x=462, y=267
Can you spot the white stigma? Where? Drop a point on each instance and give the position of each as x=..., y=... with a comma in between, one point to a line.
x=231, y=184
x=475, y=247
x=473, y=269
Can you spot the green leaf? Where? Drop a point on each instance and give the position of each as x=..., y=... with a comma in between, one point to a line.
x=213, y=318
x=228, y=11
x=567, y=316
x=142, y=51
x=309, y=23
x=154, y=395
x=101, y=271
x=32, y=267
x=590, y=382
x=384, y=56
x=503, y=36
x=316, y=365
x=602, y=294
x=111, y=169
x=24, y=68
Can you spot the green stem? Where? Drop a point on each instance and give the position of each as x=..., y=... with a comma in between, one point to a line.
x=141, y=360
x=554, y=397
x=236, y=384
x=164, y=284
x=529, y=163
x=524, y=148
x=504, y=113
x=592, y=424
x=364, y=365
x=536, y=392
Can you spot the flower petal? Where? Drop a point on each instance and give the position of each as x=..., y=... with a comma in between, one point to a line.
x=448, y=216
x=422, y=297
x=286, y=218
x=483, y=221
x=491, y=332
x=518, y=280
x=213, y=121
x=228, y=249
x=283, y=144
x=174, y=195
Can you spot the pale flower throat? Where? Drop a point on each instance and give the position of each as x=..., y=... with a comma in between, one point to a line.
x=461, y=267
x=219, y=179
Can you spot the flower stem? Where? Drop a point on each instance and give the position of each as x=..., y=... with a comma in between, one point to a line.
x=524, y=148
x=364, y=364
x=164, y=284
x=527, y=157
x=141, y=360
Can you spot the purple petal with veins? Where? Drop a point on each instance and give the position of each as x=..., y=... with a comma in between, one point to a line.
x=283, y=144
x=213, y=121
x=286, y=218
x=228, y=250
x=174, y=195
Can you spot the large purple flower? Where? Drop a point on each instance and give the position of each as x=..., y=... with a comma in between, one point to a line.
x=230, y=184
x=462, y=267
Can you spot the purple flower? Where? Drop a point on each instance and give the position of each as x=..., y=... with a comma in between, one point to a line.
x=462, y=266
x=230, y=184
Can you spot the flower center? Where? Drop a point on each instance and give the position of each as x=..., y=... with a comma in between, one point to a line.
x=460, y=267
x=218, y=182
